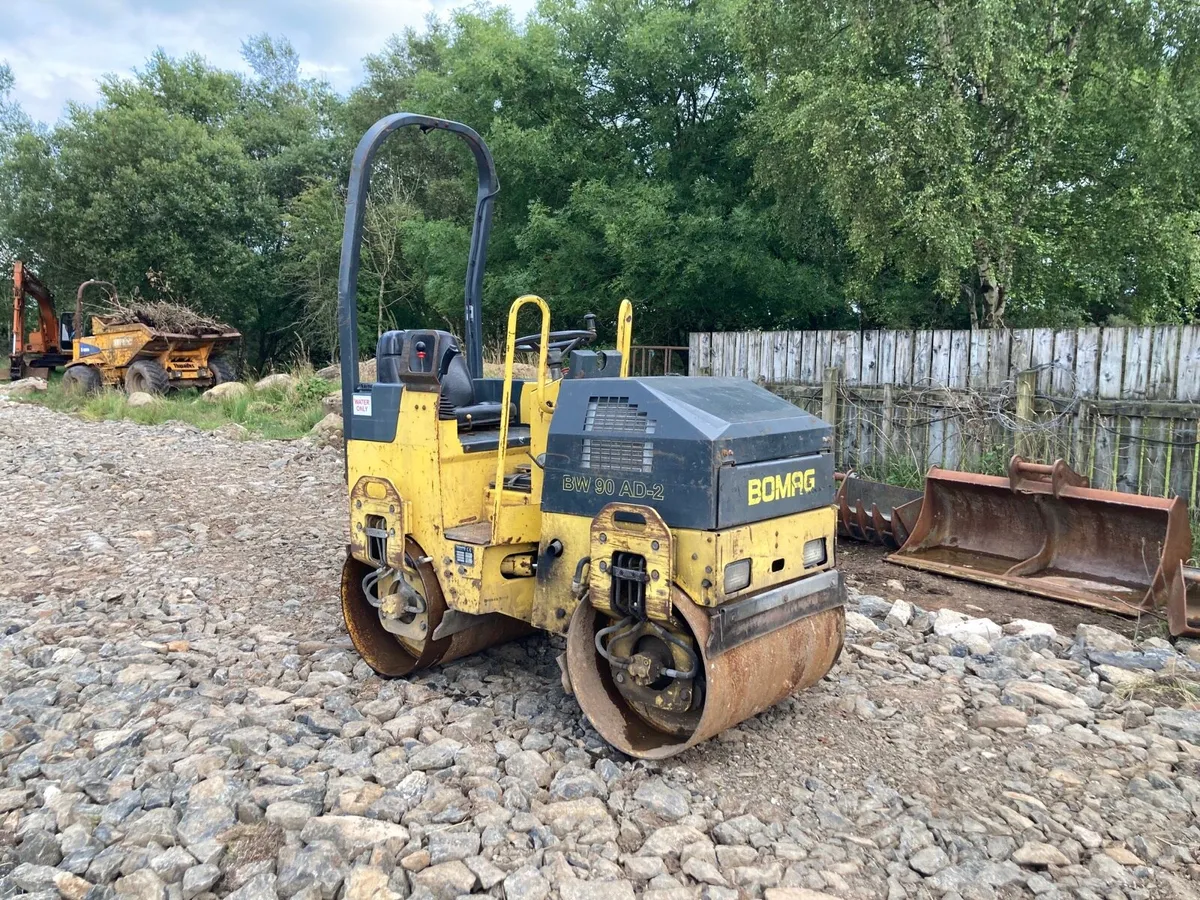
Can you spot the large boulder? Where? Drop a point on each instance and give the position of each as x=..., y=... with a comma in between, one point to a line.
x=328, y=430
x=332, y=403
x=26, y=386
x=330, y=373
x=141, y=398
x=230, y=390
x=279, y=381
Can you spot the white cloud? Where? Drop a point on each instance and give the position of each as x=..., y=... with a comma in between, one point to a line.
x=58, y=49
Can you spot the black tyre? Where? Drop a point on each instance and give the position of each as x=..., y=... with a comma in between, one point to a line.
x=81, y=380
x=222, y=369
x=147, y=376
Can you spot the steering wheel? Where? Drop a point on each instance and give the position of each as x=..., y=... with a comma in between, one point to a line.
x=564, y=341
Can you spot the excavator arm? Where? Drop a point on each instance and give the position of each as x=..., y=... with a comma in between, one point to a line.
x=47, y=339
x=50, y=345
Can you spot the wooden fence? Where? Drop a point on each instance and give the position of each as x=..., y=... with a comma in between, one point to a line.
x=1120, y=404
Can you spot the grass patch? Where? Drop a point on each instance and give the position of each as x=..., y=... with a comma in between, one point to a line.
x=275, y=413
x=1176, y=689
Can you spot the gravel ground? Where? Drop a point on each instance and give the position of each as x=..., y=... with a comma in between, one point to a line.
x=181, y=716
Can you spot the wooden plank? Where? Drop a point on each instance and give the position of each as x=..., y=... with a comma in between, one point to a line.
x=705, y=361
x=1136, y=377
x=766, y=360
x=1105, y=439
x=999, y=347
x=869, y=370
x=887, y=357
x=1129, y=456
x=753, y=355
x=960, y=348
x=904, y=357
x=809, y=373
x=852, y=359
x=1183, y=459
x=1087, y=361
x=1163, y=361
x=1153, y=480
x=952, y=455
x=1188, y=383
x=939, y=367
x=693, y=353
x=824, y=351
x=1021, y=353
x=978, y=359
x=1112, y=363
x=922, y=371
x=1062, y=376
x=795, y=346
x=1042, y=357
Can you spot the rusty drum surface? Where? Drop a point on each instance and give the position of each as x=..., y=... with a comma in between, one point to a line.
x=1043, y=531
x=739, y=683
x=384, y=652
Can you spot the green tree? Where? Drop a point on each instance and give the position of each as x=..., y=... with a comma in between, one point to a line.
x=1028, y=157
x=185, y=170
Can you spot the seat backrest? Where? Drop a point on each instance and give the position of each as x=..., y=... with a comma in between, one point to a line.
x=457, y=387
x=389, y=356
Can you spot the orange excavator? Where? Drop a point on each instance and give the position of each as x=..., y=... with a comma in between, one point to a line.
x=49, y=346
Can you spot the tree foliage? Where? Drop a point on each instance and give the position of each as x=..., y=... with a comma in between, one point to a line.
x=1030, y=155
x=724, y=163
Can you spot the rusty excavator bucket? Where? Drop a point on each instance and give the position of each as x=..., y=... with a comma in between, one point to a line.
x=1044, y=531
x=1183, y=605
x=875, y=512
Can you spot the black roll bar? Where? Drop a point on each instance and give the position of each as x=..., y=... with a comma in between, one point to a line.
x=356, y=201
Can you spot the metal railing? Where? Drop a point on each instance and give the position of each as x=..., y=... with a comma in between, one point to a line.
x=646, y=360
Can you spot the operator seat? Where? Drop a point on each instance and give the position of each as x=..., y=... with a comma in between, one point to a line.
x=457, y=389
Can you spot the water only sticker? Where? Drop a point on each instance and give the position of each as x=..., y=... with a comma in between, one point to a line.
x=362, y=405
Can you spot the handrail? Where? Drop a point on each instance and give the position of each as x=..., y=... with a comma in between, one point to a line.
x=625, y=335
x=112, y=293
x=356, y=202
x=510, y=352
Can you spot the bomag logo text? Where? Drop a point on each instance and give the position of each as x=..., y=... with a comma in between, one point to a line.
x=781, y=487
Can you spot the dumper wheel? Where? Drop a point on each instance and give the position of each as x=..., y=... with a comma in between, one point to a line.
x=222, y=370
x=81, y=380
x=147, y=376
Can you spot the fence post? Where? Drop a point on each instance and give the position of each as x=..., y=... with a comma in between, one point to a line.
x=829, y=405
x=889, y=403
x=1025, y=443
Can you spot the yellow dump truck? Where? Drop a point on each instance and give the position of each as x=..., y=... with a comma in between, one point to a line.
x=150, y=347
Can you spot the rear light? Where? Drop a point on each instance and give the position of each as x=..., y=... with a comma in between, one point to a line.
x=737, y=575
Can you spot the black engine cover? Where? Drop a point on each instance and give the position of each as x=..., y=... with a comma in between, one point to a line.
x=707, y=453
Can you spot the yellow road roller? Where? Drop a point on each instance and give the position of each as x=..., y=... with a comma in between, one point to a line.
x=679, y=531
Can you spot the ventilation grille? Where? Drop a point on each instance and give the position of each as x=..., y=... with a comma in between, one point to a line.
x=619, y=456
x=616, y=414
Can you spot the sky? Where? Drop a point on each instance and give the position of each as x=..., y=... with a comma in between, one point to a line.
x=58, y=49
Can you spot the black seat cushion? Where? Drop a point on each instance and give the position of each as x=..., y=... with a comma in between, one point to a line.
x=388, y=355
x=457, y=388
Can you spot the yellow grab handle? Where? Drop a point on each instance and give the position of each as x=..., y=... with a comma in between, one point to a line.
x=510, y=351
x=625, y=335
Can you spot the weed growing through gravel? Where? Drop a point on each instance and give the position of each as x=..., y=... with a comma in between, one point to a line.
x=275, y=413
x=1167, y=688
